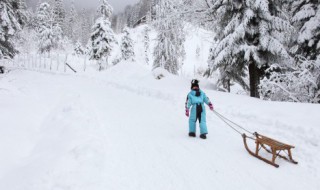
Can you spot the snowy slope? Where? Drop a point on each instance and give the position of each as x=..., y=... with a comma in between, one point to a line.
x=122, y=129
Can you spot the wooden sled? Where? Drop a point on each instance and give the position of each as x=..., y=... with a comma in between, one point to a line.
x=275, y=148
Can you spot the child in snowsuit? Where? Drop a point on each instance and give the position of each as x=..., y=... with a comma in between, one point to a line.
x=196, y=99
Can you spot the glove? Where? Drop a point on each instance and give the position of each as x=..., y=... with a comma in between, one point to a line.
x=211, y=106
x=187, y=112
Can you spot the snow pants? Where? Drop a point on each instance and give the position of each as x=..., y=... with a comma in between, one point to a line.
x=197, y=114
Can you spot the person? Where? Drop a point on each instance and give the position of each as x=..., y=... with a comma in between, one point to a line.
x=195, y=100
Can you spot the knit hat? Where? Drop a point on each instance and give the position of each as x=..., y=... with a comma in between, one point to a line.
x=194, y=83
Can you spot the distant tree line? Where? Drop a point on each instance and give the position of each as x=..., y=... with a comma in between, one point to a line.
x=271, y=48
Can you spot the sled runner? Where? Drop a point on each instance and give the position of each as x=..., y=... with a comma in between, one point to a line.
x=275, y=148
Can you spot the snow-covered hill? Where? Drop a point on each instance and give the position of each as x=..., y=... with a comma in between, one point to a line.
x=197, y=45
x=122, y=129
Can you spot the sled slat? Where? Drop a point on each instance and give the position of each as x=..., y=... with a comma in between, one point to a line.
x=272, y=143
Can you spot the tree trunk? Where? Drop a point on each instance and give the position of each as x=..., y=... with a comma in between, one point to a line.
x=227, y=84
x=254, y=80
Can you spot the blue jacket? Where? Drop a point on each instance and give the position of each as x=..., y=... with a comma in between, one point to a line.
x=192, y=99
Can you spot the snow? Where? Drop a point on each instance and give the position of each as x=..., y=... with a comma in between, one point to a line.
x=123, y=129
x=196, y=38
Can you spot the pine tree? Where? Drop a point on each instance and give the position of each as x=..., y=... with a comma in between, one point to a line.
x=145, y=6
x=250, y=32
x=59, y=13
x=127, y=16
x=148, y=17
x=127, y=49
x=49, y=32
x=26, y=38
x=300, y=81
x=78, y=49
x=84, y=25
x=146, y=43
x=106, y=10
x=114, y=23
x=153, y=9
x=136, y=16
x=232, y=69
x=306, y=18
x=10, y=23
x=299, y=84
x=120, y=23
x=102, y=36
x=23, y=14
x=72, y=23
x=169, y=51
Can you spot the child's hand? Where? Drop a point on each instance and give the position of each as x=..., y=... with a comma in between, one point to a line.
x=211, y=106
x=187, y=112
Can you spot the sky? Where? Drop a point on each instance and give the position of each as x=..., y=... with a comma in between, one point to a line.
x=118, y=5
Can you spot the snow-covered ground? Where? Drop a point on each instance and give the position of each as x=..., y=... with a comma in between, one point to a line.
x=122, y=129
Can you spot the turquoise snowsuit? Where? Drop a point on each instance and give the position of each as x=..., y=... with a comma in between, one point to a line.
x=194, y=101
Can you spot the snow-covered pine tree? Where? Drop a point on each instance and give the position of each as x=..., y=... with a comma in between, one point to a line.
x=250, y=32
x=127, y=46
x=121, y=21
x=72, y=24
x=102, y=36
x=153, y=9
x=78, y=49
x=88, y=48
x=114, y=23
x=144, y=7
x=136, y=12
x=306, y=18
x=148, y=17
x=301, y=83
x=10, y=24
x=146, y=43
x=85, y=27
x=59, y=13
x=25, y=39
x=23, y=14
x=49, y=32
x=231, y=70
x=197, y=13
x=127, y=16
x=131, y=16
x=169, y=52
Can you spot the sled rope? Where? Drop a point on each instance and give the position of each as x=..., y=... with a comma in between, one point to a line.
x=226, y=120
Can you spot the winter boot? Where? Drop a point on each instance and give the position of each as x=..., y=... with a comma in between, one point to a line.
x=203, y=136
x=192, y=134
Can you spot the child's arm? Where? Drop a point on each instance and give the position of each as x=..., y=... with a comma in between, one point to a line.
x=187, y=105
x=207, y=101
x=188, y=102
